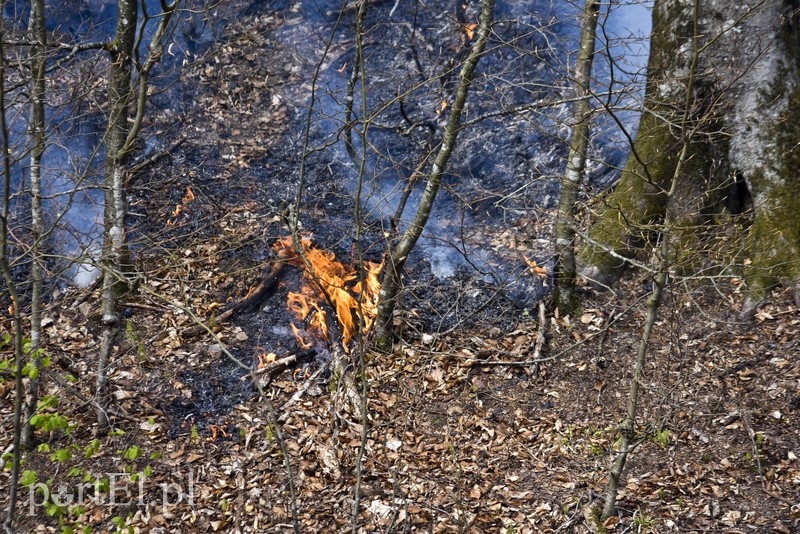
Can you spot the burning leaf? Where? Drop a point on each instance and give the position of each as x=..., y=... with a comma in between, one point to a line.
x=469, y=29
x=536, y=270
x=264, y=358
x=180, y=208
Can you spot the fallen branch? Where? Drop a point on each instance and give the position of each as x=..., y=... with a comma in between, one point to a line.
x=138, y=167
x=254, y=298
x=267, y=373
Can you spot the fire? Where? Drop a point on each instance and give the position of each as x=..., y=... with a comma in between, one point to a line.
x=180, y=208
x=265, y=358
x=303, y=307
x=535, y=269
x=329, y=279
x=469, y=29
x=442, y=107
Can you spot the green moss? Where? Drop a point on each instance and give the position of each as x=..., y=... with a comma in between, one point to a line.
x=638, y=202
x=774, y=240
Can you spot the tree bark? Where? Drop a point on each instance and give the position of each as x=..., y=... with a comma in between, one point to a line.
x=122, y=132
x=747, y=120
x=37, y=63
x=19, y=356
x=564, y=270
x=115, y=210
x=764, y=149
x=392, y=280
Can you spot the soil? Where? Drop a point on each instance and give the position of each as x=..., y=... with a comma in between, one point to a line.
x=462, y=434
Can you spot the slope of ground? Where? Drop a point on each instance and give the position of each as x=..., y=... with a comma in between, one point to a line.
x=465, y=433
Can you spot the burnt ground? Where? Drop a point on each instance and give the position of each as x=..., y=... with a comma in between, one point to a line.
x=462, y=437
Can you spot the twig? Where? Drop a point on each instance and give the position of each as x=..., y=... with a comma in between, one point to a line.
x=157, y=156
x=145, y=307
x=541, y=336
x=260, y=292
x=302, y=391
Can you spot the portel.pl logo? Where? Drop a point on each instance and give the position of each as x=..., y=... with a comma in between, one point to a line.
x=112, y=489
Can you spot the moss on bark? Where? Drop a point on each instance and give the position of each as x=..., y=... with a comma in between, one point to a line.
x=774, y=240
x=628, y=213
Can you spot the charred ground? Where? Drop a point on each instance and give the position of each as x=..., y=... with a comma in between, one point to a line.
x=462, y=437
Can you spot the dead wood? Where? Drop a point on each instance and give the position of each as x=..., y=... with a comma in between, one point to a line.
x=268, y=282
x=265, y=374
x=158, y=156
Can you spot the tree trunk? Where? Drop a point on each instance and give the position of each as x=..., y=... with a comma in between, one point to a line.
x=564, y=270
x=392, y=279
x=114, y=256
x=765, y=129
x=19, y=356
x=37, y=62
x=747, y=121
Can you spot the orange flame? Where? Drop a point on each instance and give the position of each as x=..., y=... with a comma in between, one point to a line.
x=302, y=307
x=330, y=279
x=180, y=208
x=469, y=29
x=535, y=269
x=264, y=359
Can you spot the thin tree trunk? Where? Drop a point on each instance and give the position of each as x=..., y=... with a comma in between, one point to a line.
x=392, y=279
x=687, y=133
x=119, y=140
x=12, y=290
x=38, y=51
x=114, y=260
x=361, y=13
x=564, y=270
x=627, y=426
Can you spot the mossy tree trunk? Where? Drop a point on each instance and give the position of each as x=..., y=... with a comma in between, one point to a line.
x=766, y=150
x=629, y=214
x=746, y=123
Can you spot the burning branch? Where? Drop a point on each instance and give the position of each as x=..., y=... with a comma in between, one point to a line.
x=252, y=298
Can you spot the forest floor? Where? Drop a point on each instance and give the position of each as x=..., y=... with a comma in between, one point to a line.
x=464, y=433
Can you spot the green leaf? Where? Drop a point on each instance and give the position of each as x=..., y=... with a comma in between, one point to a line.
x=28, y=478
x=61, y=455
x=133, y=452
